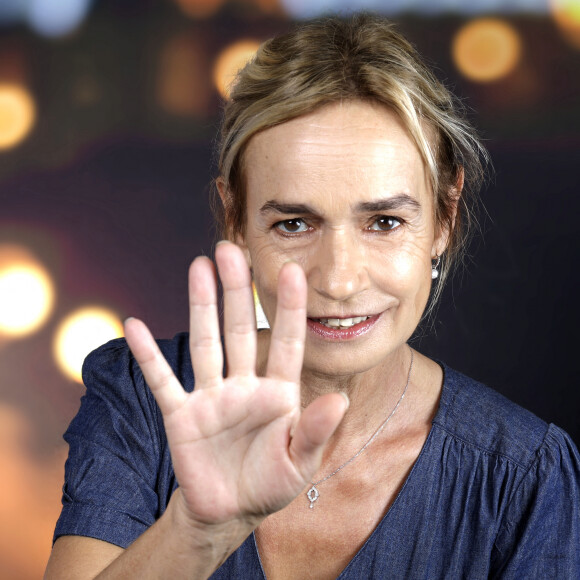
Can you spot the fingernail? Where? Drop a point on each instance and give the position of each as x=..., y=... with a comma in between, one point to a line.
x=346, y=399
x=222, y=242
x=127, y=319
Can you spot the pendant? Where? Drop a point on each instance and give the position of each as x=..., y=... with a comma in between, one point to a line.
x=312, y=495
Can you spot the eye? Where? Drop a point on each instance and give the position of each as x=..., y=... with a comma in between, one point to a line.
x=292, y=226
x=385, y=223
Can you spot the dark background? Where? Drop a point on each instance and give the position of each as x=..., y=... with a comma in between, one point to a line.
x=111, y=192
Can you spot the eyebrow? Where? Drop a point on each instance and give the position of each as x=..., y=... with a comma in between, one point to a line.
x=397, y=202
x=286, y=208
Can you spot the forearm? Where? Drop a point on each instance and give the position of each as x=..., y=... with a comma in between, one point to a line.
x=176, y=547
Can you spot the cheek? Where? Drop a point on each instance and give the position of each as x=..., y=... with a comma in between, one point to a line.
x=265, y=268
x=408, y=273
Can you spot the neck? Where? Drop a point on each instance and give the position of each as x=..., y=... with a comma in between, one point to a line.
x=380, y=381
x=373, y=396
x=372, y=393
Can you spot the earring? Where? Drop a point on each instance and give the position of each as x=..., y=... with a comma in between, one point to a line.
x=434, y=266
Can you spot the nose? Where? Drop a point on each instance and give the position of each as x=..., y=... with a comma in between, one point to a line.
x=337, y=269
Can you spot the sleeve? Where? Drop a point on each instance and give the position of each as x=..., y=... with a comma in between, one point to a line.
x=116, y=450
x=540, y=533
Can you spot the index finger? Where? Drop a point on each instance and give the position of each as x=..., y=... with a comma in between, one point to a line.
x=164, y=385
x=289, y=330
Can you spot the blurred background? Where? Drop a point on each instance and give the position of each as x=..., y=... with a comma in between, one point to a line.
x=108, y=115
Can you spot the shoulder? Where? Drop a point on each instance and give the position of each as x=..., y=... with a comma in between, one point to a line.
x=113, y=363
x=483, y=418
x=118, y=436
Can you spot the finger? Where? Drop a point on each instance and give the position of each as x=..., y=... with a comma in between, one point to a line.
x=165, y=387
x=289, y=330
x=204, y=331
x=239, y=315
x=316, y=425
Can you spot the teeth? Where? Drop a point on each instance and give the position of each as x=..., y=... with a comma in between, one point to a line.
x=342, y=322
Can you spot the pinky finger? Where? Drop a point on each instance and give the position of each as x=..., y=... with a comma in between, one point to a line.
x=165, y=387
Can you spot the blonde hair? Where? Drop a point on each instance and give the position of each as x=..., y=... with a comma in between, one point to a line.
x=365, y=58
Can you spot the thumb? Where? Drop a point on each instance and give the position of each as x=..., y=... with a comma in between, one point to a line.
x=315, y=427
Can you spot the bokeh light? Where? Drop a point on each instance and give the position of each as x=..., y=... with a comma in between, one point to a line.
x=30, y=492
x=566, y=14
x=269, y=6
x=11, y=11
x=304, y=9
x=230, y=61
x=26, y=292
x=80, y=333
x=183, y=86
x=486, y=49
x=86, y=91
x=17, y=114
x=54, y=18
x=199, y=8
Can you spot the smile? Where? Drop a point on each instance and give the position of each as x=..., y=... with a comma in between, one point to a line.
x=342, y=329
x=341, y=322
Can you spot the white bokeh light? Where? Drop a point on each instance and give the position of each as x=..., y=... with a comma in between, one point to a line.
x=12, y=11
x=26, y=292
x=55, y=18
x=26, y=299
x=314, y=8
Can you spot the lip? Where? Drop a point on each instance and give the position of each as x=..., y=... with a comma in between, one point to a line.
x=340, y=334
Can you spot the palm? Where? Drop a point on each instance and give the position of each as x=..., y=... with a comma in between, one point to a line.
x=239, y=445
x=230, y=449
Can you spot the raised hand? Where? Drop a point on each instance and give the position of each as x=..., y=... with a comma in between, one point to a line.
x=241, y=448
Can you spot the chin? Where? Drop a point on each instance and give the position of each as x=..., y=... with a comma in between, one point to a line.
x=346, y=359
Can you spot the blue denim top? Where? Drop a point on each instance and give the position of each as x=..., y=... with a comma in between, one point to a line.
x=495, y=492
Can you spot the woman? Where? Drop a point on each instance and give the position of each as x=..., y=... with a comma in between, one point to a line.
x=330, y=448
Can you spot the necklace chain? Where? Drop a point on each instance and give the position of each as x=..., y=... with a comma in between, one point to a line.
x=313, y=492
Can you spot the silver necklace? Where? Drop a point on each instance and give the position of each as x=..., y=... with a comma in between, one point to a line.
x=313, y=494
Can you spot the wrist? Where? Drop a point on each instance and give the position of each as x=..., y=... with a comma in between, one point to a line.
x=215, y=540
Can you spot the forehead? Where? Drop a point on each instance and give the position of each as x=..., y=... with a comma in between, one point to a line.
x=355, y=148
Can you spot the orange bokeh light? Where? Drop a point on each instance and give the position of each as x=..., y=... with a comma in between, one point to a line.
x=486, y=49
x=183, y=85
x=199, y=8
x=269, y=6
x=17, y=114
x=230, y=61
x=30, y=492
x=566, y=14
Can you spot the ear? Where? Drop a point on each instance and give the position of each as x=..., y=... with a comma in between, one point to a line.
x=444, y=232
x=222, y=189
x=237, y=238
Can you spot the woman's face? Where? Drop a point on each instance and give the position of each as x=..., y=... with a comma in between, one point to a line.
x=343, y=191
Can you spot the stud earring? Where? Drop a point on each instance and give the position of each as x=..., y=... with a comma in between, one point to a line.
x=434, y=267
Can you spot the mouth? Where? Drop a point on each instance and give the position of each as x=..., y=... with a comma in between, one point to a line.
x=341, y=322
x=340, y=329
